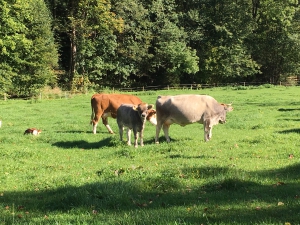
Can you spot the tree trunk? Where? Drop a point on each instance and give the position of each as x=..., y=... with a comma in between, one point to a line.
x=72, y=55
x=255, y=6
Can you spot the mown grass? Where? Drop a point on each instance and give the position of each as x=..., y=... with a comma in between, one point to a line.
x=247, y=174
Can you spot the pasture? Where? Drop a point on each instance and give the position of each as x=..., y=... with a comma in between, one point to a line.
x=247, y=174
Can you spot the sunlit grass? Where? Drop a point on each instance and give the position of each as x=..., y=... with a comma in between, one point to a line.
x=247, y=173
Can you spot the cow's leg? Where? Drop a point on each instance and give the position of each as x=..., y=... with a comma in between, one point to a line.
x=121, y=128
x=166, y=131
x=94, y=120
x=95, y=127
x=207, y=130
x=136, y=135
x=158, y=128
x=142, y=137
x=105, y=122
x=210, y=132
x=128, y=136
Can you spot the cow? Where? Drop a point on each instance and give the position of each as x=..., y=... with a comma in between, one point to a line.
x=188, y=109
x=33, y=131
x=134, y=118
x=106, y=105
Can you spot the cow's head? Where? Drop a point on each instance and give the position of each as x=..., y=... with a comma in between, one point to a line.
x=143, y=109
x=227, y=108
x=151, y=117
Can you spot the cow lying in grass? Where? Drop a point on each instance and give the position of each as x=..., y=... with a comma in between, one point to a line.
x=33, y=131
x=134, y=118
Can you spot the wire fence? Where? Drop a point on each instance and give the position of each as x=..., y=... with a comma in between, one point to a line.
x=203, y=86
x=70, y=94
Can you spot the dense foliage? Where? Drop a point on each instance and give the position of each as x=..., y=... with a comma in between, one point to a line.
x=105, y=43
x=27, y=49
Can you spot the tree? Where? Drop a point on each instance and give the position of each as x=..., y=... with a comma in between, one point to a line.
x=173, y=57
x=153, y=48
x=132, y=54
x=87, y=28
x=275, y=41
x=28, y=52
x=7, y=43
x=219, y=30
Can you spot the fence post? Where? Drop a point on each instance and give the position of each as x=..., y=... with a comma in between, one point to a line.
x=4, y=96
x=191, y=87
x=168, y=88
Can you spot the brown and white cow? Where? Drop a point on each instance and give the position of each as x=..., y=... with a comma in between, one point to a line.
x=134, y=118
x=188, y=109
x=106, y=105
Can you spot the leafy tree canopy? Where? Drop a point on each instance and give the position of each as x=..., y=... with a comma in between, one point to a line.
x=27, y=48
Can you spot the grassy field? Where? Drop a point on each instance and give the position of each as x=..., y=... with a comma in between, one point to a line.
x=247, y=174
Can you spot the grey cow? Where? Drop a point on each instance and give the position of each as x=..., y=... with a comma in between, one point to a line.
x=188, y=109
x=134, y=118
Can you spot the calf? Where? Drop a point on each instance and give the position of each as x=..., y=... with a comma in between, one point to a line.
x=134, y=118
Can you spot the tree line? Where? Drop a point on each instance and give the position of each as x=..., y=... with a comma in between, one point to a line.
x=75, y=44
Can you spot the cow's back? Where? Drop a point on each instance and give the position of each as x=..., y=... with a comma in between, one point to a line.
x=115, y=100
x=111, y=102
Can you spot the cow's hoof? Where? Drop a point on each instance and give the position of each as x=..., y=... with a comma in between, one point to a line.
x=157, y=142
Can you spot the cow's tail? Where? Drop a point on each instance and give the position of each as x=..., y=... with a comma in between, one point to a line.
x=93, y=112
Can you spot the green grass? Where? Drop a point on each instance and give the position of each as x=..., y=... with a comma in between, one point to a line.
x=247, y=174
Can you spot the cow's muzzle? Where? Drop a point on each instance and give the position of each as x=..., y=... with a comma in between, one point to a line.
x=143, y=115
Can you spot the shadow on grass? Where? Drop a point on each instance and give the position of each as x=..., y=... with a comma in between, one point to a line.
x=108, y=142
x=162, y=139
x=287, y=110
x=274, y=104
x=226, y=198
x=286, y=119
x=72, y=131
x=176, y=156
x=296, y=130
x=81, y=131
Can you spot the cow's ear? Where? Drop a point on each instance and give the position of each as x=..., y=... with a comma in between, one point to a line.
x=228, y=107
x=135, y=108
x=150, y=106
